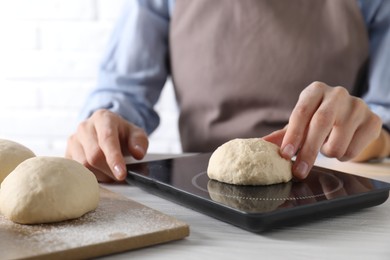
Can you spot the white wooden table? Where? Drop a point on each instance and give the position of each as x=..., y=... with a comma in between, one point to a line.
x=360, y=235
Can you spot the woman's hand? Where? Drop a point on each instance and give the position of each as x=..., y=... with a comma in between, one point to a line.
x=102, y=141
x=378, y=149
x=327, y=120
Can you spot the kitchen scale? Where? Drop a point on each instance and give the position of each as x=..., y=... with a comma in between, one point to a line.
x=324, y=193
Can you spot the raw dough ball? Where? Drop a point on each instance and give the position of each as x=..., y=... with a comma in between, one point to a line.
x=252, y=161
x=11, y=155
x=48, y=189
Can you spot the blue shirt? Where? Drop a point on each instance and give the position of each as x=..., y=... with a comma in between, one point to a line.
x=135, y=66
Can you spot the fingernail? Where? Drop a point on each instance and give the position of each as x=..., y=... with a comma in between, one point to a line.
x=301, y=170
x=139, y=148
x=288, y=151
x=119, y=172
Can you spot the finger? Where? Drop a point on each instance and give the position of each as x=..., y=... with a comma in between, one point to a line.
x=327, y=122
x=346, y=122
x=76, y=152
x=362, y=138
x=374, y=150
x=276, y=137
x=317, y=132
x=367, y=133
x=353, y=132
x=308, y=102
x=108, y=140
x=94, y=156
x=337, y=142
x=138, y=142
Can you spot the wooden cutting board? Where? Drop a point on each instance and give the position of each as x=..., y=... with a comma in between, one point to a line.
x=117, y=225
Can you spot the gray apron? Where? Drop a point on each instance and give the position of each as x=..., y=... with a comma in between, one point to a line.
x=238, y=66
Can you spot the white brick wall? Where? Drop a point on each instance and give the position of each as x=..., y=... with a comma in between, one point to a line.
x=49, y=55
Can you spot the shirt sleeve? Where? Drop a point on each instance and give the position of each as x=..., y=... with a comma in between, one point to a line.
x=377, y=16
x=135, y=65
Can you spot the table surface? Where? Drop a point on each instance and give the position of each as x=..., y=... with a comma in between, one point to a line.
x=364, y=234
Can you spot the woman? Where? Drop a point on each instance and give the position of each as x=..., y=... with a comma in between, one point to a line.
x=309, y=76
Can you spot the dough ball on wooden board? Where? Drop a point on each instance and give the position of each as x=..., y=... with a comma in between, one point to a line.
x=251, y=161
x=250, y=198
x=11, y=155
x=48, y=189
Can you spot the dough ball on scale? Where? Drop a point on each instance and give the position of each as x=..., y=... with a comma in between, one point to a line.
x=251, y=161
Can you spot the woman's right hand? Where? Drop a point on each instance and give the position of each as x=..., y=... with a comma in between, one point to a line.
x=101, y=142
